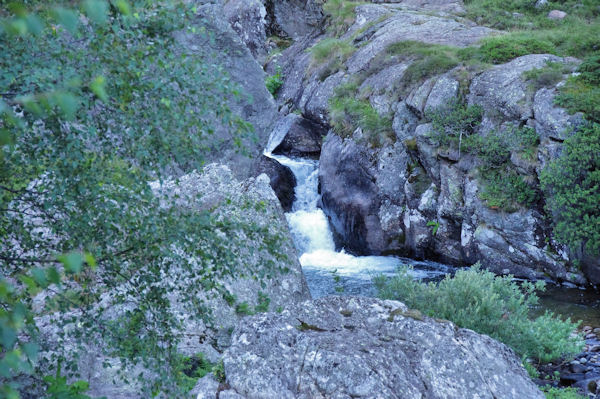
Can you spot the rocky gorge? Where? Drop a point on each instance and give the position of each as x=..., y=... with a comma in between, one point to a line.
x=369, y=148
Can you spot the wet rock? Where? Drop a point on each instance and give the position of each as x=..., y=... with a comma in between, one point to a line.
x=281, y=179
x=303, y=138
x=341, y=347
x=349, y=194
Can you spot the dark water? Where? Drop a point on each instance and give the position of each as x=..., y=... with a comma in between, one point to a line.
x=578, y=304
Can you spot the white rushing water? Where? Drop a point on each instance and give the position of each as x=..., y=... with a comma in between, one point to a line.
x=316, y=247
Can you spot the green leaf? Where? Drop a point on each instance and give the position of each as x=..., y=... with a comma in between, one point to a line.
x=34, y=24
x=96, y=10
x=67, y=18
x=90, y=260
x=123, y=7
x=73, y=262
x=39, y=275
x=67, y=103
x=97, y=86
x=53, y=275
x=17, y=8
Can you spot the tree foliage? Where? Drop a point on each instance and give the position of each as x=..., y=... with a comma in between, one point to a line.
x=96, y=100
x=572, y=184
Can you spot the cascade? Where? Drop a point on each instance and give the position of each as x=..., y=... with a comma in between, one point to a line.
x=314, y=241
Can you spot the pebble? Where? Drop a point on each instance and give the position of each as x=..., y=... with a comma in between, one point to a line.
x=590, y=336
x=595, y=348
x=583, y=360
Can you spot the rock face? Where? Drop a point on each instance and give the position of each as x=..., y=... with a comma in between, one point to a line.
x=303, y=138
x=231, y=50
x=282, y=181
x=392, y=197
x=247, y=18
x=251, y=205
x=347, y=347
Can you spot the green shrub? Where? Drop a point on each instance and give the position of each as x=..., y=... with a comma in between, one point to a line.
x=454, y=125
x=329, y=55
x=452, y=122
x=428, y=60
x=572, y=186
x=589, y=70
x=501, y=49
x=347, y=113
x=505, y=189
x=495, y=148
x=547, y=76
x=274, y=82
x=341, y=14
x=561, y=393
x=427, y=67
x=488, y=304
x=582, y=92
x=330, y=48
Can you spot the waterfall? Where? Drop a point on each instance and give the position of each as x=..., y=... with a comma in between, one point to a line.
x=313, y=239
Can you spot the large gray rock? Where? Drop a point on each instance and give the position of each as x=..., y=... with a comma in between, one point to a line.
x=247, y=18
x=254, y=105
x=282, y=181
x=303, y=138
x=502, y=90
x=353, y=347
x=249, y=206
x=407, y=25
x=295, y=18
x=349, y=194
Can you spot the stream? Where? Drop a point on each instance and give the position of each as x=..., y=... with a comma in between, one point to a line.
x=331, y=271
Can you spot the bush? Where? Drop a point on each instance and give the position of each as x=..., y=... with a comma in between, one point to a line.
x=501, y=49
x=572, y=185
x=506, y=190
x=547, y=76
x=331, y=48
x=582, y=92
x=488, y=304
x=561, y=393
x=427, y=67
x=453, y=121
x=428, y=60
x=274, y=82
x=330, y=54
x=341, y=13
x=347, y=113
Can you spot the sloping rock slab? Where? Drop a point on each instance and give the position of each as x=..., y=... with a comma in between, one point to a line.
x=405, y=25
x=353, y=347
